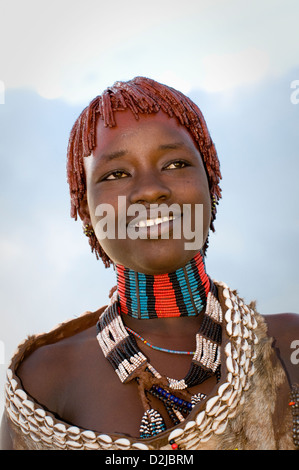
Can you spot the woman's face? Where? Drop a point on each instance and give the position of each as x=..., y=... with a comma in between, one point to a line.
x=152, y=162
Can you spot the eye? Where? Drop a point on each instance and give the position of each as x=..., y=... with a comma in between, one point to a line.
x=176, y=165
x=116, y=175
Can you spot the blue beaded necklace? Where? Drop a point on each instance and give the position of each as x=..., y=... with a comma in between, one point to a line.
x=157, y=348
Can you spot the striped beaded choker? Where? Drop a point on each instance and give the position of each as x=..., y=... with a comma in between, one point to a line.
x=180, y=293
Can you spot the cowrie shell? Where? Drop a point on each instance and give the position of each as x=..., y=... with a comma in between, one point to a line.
x=73, y=445
x=225, y=293
x=28, y=406
x=140, y=446
x=199, y=418
x=46, y=431
x=105, y=438
x=175, y=434
x=236, y=317
x=236, y=330
x=211, y=402
x=222, y=388
x=88, y=436
x=73, y=432
x=227, y=393
x=229, y=328
x=221, y=428
x=189, y=425
x=242, y=359
x=49, y=422
x=123, y=442
x=59, y=430
x=235, y=353
x=232, y=398
x=229, y=364
x=228, y=315
x=232, y=365
x=91, y=446
x=244, y=344
x=205, y=424
x=219, y=419
x=228, y=349
x=40, y=414
x=214, y=409
x=22, y=395
x=230, y=377
x=244, y=331
x=236, y=383
x=35, y=437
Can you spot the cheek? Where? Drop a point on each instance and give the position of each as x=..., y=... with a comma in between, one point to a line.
x=99, y=202
x=197, y=192
x=108, y=218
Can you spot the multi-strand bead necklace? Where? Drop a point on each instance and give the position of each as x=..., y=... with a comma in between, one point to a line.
x=185, y=292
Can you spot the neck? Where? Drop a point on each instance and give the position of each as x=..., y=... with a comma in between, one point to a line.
x=180, y=293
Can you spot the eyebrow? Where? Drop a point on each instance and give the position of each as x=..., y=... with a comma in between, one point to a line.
x=172, y=146
x=122, y=153
x=113, y=155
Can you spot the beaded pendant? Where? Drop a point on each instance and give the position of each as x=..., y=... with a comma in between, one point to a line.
x=152, y=424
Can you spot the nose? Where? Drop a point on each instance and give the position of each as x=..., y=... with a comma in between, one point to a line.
x=149, y=189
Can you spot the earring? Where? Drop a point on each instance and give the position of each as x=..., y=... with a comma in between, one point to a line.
x=214, y=204
x=88, y=230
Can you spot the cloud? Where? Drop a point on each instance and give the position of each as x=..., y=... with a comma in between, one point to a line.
x=71, y=51
x=227, y=71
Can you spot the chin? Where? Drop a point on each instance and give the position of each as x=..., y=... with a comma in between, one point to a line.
x=157, y=258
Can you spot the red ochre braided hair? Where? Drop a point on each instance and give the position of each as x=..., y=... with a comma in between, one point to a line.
x=145, y=96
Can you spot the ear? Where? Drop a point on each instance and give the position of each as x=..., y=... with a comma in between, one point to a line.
x=83, y=211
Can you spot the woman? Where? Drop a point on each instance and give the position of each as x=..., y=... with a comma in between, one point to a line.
x=176, y=361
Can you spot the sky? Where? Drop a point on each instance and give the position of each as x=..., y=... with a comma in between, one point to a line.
x=238, y=60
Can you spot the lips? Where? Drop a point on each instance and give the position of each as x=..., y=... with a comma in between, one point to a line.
x=155, y=216
x=156, y=222
x=150, y=222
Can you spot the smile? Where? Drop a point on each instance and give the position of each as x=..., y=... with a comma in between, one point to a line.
x=152, y=222
x=156, y=222
x=155, y=216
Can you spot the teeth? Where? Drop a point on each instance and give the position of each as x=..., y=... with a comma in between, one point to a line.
x=150, y=222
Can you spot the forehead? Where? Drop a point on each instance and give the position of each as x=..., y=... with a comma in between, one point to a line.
x=147, y=129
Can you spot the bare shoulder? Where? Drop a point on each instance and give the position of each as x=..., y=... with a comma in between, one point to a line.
x=284, y=329
x=40, y=374
x=48, y=373
x=68, y=377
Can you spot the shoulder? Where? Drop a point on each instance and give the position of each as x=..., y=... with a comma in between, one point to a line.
x=43, y=372
x=65, y=375
x=50, y=362
x=284, y=329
